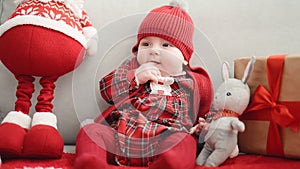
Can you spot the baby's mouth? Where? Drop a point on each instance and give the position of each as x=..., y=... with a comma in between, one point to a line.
x=155, y=62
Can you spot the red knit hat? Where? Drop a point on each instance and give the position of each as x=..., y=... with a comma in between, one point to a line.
x=171, y=23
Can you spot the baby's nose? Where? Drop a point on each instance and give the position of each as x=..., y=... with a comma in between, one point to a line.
x=154, y=51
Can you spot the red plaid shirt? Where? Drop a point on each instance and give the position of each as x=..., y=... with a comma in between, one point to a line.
x=141, y=118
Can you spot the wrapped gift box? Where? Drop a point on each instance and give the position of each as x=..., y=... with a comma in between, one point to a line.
x=272, y=118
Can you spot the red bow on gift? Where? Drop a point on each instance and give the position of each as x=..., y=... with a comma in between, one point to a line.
x=280, y=114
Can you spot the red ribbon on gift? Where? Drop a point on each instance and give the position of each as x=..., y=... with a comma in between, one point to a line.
x=265, y=103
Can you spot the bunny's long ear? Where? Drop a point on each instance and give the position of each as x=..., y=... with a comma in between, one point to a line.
x=225, y=71
x=249, y=69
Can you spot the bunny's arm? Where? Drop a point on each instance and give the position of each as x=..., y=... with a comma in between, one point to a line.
x=236, y=124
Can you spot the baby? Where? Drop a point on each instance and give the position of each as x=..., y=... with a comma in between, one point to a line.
x=156, y=98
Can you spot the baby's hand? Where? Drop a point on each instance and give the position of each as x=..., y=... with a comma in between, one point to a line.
x=166, y=80
x=147, y=72
x=198, y=128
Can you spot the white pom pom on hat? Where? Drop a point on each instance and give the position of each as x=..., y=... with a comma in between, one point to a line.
x=180, y=3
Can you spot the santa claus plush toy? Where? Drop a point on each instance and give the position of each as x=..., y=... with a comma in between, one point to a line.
x=46, y=39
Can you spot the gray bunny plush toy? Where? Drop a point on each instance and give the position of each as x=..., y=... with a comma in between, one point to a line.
x=230, y=100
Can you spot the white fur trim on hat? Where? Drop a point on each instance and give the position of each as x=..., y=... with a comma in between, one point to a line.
x=44, y=118
x=44, y=22
x=90, y=33
x=75, y=5
x=19, y=118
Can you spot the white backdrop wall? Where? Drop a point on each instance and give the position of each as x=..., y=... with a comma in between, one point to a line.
x=225, y=30
x=235, y=27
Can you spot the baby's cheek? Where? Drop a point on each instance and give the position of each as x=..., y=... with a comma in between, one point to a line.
x=173, y=67
x=141, y=57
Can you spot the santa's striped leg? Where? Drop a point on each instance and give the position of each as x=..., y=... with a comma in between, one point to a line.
x=43, y=139
x=16, y=123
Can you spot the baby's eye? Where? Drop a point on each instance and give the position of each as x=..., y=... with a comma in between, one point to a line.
x=167, y=45
x=145, y=44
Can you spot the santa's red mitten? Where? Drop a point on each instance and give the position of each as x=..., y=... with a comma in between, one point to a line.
x=12, y=132
x=43, y=139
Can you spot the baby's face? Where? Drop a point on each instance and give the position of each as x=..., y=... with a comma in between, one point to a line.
x=165, y=56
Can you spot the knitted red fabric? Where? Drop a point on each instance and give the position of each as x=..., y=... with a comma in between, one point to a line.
x=172, y=24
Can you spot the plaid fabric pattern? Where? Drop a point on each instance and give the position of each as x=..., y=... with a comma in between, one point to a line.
x=141, y=120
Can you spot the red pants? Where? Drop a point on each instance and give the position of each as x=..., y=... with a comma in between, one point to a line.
x=95, y=145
